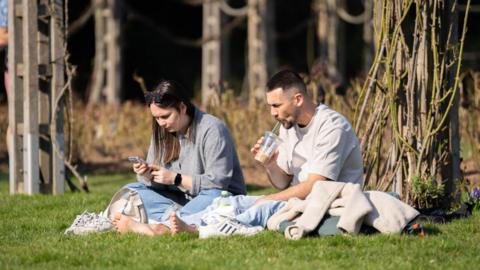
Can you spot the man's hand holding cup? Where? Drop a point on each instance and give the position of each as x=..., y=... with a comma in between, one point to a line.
x=265, y=150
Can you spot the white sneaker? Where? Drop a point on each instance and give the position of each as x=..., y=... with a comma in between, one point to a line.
x=225, y=227
x=218, y=214
x=88, y=223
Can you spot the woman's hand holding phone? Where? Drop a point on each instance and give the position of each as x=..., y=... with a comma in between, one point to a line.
x=141, y=168
x=162, y=175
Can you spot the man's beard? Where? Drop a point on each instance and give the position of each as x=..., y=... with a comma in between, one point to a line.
x=287, y=124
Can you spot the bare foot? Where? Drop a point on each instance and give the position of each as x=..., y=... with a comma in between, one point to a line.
x=124, y=224
x=116, y=217
x=121, y=223
x=159, y=229
x=177, y=225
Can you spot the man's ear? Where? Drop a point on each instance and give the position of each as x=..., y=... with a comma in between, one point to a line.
x=299, y=99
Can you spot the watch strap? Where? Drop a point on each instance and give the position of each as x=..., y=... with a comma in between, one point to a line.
x=178, y=180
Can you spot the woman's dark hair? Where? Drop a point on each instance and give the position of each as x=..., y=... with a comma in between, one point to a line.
x=168, y=94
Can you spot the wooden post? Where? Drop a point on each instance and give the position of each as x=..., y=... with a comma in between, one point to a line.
x=57, y=84
x=257, y=58
x=15, y=108
x=35, y=50
x=30, y=90
x=211, y=50
x=44, y=97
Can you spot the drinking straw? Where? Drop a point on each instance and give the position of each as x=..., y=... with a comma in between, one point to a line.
x=277, y=125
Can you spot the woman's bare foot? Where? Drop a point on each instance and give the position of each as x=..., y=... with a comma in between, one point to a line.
x=159, y=229
x=177, y=225
x=124, y=224
x=121, y=223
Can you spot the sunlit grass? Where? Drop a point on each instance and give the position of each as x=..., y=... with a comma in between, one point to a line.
x=31, y=237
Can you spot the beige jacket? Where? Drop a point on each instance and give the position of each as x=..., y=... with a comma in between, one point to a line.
x=346, y=200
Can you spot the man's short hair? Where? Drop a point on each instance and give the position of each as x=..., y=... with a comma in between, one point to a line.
x=287, y=80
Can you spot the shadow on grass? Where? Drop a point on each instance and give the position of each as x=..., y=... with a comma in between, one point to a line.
x=114, y=180
x=253, y=187
x=431, y=229
x=100, y=168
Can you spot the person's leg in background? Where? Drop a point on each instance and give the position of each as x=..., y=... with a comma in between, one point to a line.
x=259, y=215
x=241, y=210
x=238, y=203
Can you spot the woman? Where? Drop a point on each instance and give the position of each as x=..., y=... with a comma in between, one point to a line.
x=191, y=159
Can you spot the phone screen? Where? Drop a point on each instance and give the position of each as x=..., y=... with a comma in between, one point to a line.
x=136, y=159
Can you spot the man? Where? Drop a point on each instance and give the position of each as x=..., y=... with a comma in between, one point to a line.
x=319, y=144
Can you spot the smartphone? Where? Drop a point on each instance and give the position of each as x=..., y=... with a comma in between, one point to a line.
x=136, y=159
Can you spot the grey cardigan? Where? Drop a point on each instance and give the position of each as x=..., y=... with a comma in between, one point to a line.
x=209, y=157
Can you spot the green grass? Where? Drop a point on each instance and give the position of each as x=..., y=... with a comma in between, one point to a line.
x=31, y=237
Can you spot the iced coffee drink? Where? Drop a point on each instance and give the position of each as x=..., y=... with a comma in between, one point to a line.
x=269, y=145
x=262, y=157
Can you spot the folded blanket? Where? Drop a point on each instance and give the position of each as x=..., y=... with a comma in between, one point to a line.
x=389, y=214
x=346, y=200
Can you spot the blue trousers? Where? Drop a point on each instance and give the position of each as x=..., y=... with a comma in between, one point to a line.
x=243, y=211
x=159, y=203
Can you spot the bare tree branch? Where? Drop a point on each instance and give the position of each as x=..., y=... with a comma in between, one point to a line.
x=358, y=19
x=196, y=43
x=235, y=12
x=80, y=22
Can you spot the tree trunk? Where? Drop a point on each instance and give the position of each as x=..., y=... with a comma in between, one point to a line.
x=98, y=73
x=417, y=78
x=368, y=36
x=107, y=70
x=331, y=38
x=257, y=45
x=211, y=52
x=114, y=51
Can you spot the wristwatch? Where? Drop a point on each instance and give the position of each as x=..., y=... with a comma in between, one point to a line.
x=178, y=180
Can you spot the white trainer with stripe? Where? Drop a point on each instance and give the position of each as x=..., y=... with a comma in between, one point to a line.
x=227, y=226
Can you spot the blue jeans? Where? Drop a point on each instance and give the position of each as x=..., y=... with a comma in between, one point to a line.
x=244, y=212
x=259, y=215
x=160, y=203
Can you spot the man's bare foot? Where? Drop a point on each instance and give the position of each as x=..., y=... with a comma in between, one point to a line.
x=177, y=225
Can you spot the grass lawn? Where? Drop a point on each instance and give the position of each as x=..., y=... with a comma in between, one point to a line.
x=31, y=237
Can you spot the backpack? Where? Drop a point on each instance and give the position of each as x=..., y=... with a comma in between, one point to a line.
x=128, y=202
